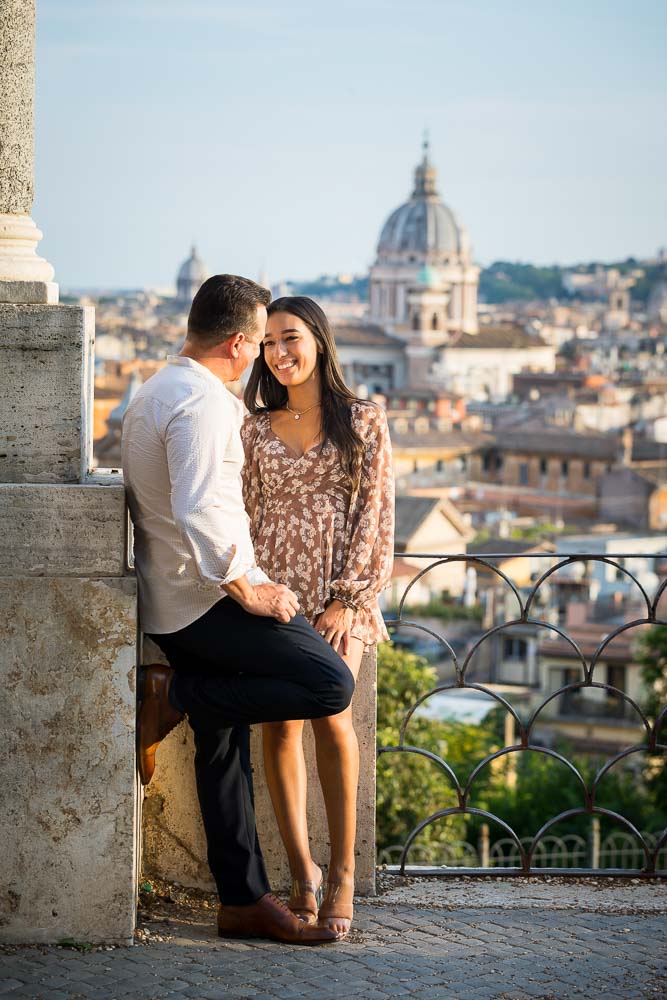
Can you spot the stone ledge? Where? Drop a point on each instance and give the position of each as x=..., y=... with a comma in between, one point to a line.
x=592, y=895
x=69, y=530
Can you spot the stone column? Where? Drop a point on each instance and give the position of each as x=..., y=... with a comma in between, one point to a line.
x=68, y=823
x=24, y=277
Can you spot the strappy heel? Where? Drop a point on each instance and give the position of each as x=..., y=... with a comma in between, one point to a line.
x=333, y=911
x=298, y=900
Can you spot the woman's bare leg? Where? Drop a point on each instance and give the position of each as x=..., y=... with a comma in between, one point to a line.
x=337, y=750
x=285, y=770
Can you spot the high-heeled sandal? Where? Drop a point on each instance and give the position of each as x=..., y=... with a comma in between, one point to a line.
x=332, y=910
x=298, y=902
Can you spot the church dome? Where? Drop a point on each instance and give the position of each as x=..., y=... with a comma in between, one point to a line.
x=423, y=225
x=193, y=269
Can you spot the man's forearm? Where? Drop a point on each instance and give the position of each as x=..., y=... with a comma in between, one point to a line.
x=240, y=590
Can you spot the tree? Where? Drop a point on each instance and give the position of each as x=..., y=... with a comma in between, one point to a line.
x=409, y=786
x=652, y=658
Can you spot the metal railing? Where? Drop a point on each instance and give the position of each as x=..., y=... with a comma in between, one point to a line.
x=529, y=855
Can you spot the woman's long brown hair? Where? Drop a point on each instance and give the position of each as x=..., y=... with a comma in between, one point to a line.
x=337, y=398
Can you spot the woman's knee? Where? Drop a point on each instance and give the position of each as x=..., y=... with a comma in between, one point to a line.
x=283, y=732
x=335, y=729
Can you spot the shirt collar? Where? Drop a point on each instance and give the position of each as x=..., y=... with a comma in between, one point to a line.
x=178, y=359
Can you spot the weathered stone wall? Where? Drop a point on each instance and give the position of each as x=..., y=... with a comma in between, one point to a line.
x=46, y=418
x=68, y=852
x=174, y=846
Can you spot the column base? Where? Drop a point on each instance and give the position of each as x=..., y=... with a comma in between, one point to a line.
x=19, y=237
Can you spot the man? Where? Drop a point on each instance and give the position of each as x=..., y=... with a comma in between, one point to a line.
x=240, y=653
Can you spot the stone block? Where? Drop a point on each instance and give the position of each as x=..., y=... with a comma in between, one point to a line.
x=174, y=847
x=46, y=407
x=68, y=853
x=70, y=530
x=29, y=292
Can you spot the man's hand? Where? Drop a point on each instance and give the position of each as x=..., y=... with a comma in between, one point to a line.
x=269, y=600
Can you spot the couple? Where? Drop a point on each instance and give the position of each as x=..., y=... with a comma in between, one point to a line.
x=230, y=591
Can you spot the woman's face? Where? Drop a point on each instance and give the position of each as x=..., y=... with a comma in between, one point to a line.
x=290, y=349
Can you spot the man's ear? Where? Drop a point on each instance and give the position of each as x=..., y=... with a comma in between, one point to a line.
x=235, y=343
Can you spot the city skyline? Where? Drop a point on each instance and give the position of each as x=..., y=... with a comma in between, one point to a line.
x=544, y=127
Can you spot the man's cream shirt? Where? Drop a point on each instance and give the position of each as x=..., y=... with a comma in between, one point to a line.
x=182, y=457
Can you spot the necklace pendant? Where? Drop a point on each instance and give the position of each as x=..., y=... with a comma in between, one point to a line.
x=297, y=416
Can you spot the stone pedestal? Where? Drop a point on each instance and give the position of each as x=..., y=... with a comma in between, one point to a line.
x=174, y=847
x=68, y=851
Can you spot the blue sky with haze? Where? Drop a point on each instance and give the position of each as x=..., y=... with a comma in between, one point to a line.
x=282, y=135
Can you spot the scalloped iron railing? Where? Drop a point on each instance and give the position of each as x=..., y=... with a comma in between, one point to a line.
x=609, y=704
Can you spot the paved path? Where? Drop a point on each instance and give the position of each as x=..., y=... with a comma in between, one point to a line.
x=508, y=944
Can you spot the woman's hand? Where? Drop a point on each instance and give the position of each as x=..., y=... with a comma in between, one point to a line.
x=335, y=624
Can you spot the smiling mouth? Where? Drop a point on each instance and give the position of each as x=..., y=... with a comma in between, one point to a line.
x=285, y=366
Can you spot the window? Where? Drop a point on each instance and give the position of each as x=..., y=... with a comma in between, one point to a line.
x=523, y=474
x=440, y=465
x=616, y=676
x=434, y=322
x=415, y=321
x=587, y=470
x=543, y=466
x=514, y=649
x=564, y=467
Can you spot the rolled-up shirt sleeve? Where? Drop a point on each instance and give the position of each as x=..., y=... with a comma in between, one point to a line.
x=206, y=500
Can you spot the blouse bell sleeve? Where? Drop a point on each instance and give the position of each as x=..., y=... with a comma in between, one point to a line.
x=251, y=479
x=370, y=553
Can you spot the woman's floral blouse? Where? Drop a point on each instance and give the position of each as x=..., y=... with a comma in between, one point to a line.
x=310, y=533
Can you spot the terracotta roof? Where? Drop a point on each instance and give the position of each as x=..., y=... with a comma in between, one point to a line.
x=495, y=337
x=402, y=569
x=559, y=442
x=509, y=546
x=450, y=440
x=365, y=335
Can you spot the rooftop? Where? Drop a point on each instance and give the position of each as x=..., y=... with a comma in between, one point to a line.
x=494, y=337
x=366, y=335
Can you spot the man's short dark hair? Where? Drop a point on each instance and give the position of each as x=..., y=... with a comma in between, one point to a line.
x=225, y=304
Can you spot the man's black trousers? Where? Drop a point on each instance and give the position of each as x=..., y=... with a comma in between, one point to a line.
x=234, y=669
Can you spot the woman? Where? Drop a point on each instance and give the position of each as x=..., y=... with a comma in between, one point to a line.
x=318, y=487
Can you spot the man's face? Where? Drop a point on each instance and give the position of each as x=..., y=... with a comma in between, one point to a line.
x=252, y=342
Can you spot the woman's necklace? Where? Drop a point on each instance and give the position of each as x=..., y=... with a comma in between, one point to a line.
x=300, y=413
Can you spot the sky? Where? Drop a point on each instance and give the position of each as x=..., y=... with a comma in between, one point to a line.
x=279, y=136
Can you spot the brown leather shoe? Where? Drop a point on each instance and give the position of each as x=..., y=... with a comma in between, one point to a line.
x=269, y=918
x=156, y=716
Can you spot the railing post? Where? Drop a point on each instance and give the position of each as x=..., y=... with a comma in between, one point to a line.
x=595, y=842
x=484, y=845
x=510, y=737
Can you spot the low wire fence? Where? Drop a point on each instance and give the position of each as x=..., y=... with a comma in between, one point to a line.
x=616, y=851
x=627, y=849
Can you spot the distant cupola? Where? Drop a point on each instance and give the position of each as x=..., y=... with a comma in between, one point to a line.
x=191, y=276
x=422, y=245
